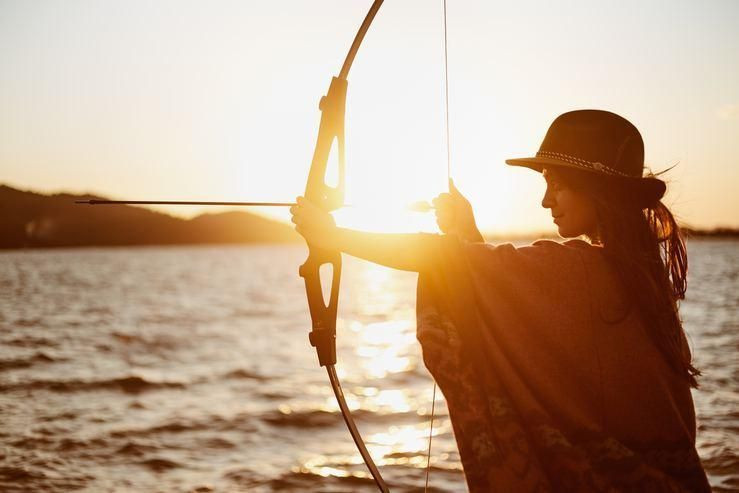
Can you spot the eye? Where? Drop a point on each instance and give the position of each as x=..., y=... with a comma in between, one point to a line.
x=555, y=185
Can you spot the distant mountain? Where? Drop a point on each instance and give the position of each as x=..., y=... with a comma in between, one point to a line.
x=721, y=232
x=30, y=219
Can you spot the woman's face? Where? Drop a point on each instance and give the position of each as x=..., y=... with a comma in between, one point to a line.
x=573, y=212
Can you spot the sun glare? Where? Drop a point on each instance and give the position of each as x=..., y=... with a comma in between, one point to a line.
x=386, y=218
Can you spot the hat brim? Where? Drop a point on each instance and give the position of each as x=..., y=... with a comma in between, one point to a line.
x=646, y=189
x=539, y=163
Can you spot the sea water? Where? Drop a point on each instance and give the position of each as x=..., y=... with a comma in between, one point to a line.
x=189, y=369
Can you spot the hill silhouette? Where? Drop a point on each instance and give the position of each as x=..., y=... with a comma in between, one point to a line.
x=34, y=220
x=29, y=219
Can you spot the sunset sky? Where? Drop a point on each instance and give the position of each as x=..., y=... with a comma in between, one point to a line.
x=183, y=100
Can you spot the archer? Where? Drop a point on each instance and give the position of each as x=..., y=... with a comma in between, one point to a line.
x=564, y=365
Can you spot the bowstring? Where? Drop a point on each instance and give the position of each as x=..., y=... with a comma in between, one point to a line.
x=448, y=177
x=431, y=431
x=446, y=102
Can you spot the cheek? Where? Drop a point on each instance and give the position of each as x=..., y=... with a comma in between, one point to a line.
x=566, y=202
x=579, y=213
x=590, y=217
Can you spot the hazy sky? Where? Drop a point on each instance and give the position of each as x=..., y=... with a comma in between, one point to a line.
x=218, y=100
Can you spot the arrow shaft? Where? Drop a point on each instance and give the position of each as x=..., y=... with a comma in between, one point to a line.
x=180, y=202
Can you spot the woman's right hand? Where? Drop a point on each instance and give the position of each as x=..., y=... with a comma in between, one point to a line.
x=454, y=215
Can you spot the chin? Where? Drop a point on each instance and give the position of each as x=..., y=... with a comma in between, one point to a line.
x=564, y=232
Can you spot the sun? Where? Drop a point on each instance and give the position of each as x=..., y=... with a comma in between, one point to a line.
x=386, y=218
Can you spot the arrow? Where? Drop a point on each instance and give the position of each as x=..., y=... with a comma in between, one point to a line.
x=179, y=202
x=415, y=207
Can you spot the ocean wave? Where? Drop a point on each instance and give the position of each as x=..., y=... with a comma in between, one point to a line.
x=158, y=464
x=136, y=449
x=132, y=384
x=41, y=475
x=306, y=481
x=300, y=419
x=31, y=342
x=26, y=362
x=724, y=462
x=58, y=416
x=175, y=426
x=29, y=322
x=239, y=423
x=251, y=312
x=149, y=342
x=299, y=480
x=317, y=418
x=240, y=373
x=33, y=443
x=10, y=473
x=217, y=443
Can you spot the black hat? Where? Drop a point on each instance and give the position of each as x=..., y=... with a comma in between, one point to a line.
x=599, y=142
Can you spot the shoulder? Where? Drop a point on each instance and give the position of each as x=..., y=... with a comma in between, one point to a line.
x=560, y=251
x=545, y=249
x=541, y=258
x=542, y=255
x=569, y=245
x=566, y=261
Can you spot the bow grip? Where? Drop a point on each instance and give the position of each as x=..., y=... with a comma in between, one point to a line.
x=323, y=316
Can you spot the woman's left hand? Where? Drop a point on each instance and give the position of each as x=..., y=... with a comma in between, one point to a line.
x=314, y=224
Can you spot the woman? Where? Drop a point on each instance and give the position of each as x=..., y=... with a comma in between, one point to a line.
x=564, y=365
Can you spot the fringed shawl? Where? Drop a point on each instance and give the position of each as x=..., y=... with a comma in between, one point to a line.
x=551, y=380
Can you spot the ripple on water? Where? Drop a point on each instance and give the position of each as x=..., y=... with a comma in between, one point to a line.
x=131, y=384
x=135, y=370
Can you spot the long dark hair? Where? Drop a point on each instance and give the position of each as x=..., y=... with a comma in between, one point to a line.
x=643, y=242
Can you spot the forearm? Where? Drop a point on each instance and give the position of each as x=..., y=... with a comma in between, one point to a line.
x=405, y=251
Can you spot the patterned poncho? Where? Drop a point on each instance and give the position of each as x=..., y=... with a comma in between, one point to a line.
x=551, y=380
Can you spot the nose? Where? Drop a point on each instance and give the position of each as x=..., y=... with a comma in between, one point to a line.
x=548, y=201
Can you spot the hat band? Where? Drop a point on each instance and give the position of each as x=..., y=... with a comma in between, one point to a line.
x=593, y=165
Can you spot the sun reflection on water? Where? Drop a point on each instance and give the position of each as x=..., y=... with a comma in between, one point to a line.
x=322, y=465
x=381, y=334
x=396, y=400
x=384, y=347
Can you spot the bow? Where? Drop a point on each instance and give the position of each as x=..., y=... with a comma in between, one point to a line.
x=328, y=198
